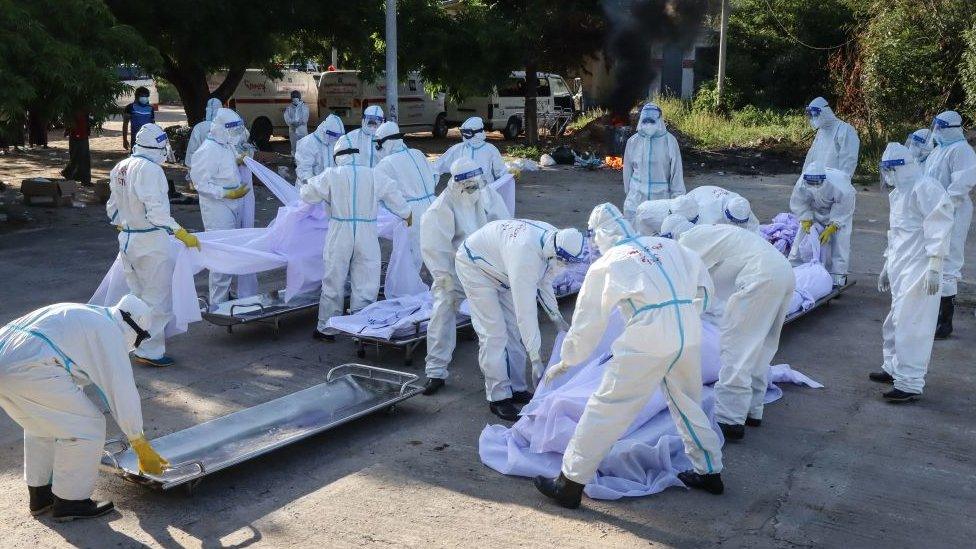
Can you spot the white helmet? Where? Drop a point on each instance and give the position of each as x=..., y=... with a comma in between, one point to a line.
x=473, y=131
x=151, y=143
x=131, y=314
x=330, y=129
x=675, y=225
x=388, y=138
x=345, y=153
x=570, y=245
x=607, y=227
x=372, y=118
x=738, y=210
x=227, y=128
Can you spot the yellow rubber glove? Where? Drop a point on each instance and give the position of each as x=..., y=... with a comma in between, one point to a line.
x=118, y=228
x=805, y=225
x=190, y=240
x=409, y=219
x=240, y=159
x=827, y=233
x=238, y=192
x=149, y=460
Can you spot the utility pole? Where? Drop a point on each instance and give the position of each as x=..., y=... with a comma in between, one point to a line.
x=722, y=41
x=335, y=58
x=391, y=61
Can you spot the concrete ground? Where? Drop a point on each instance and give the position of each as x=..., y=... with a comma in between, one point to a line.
x=829, y=467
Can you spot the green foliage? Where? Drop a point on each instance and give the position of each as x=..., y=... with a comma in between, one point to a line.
x=749, y=127
x=532, y=152
x=167, y=93
x=967, y=71
x=585, y=118
x=706, y=98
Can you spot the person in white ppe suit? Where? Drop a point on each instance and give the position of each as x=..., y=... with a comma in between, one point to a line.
x=660, y=289
x=835, y=144
x=296, y=117
x=920, y=225
x=506, y=267
x=466, y=205
x=139, y=207
x=46, y=357
x=200, y=131
x=215, y=175
x=953, y=164
x=408, y=170
x=718, y=206
x=754, y=284
x=474, y=146
x=362, y=137
x=651, y=213
x=313, y=154
x=652, y=162
x=826, y=196
x=919, y=143
x=352, y=247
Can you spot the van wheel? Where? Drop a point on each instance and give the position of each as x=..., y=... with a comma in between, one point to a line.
x=440, y=126
x=512, y=129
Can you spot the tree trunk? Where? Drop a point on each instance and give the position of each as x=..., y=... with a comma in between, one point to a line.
x=191, y=84
x=531, y=103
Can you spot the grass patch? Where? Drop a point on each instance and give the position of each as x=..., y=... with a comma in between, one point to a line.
x=749, y=127
x=585, y=118
x=532, y=152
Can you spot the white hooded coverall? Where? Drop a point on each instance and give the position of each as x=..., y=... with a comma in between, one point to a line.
x=200, y=131
x=352, y=248
x=313, y=154
x=712, y=207
x=762, y=283
x=836, y=143
x=658, y=286
x=920, y=225
x=452, y=217
x=832, y=202
x=652, y=168
x=46, y=357
x=296, y=117
x=506, y=267
x=409, y=171
x=476, y=148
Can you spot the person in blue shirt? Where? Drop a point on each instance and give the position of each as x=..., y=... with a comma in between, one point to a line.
x=136, y=115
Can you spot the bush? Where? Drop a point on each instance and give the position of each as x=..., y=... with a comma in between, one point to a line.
x=967, y=72
x=749, y=127
x=532, y=152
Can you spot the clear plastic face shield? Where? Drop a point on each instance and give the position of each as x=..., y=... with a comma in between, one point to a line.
x=371, y=123
x=937, y=131
x=235, y=131
x=470, y=182
x=813, y=116
x=814, y=180
x=888, y=169
x=648, y=122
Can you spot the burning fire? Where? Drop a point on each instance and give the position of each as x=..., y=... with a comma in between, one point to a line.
x=614, y=162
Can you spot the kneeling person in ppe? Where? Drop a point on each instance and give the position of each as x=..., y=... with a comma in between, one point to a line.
x=920, y=225
x=466, y=205
x=719, y=206
x=352, y=247
x=652, y=162
x=754, y=285
x=313, y=154
x=660, y=288
x=139, y=208
x=46, y=357
x=826, y=196
x=505, y=267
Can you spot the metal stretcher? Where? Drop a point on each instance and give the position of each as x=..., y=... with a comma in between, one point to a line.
x=350, y=392
x=822, y=301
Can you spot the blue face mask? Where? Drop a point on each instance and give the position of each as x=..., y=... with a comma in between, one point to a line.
x=143, y=100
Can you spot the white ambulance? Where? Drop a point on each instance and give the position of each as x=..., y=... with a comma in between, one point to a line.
x=259, y=97
x=343, y=93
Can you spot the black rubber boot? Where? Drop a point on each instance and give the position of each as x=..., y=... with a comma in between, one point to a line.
x=711, y=483
x=753, y=422
x=898, y=396
x=947, y=307
x=521, y=397
x=732, y=432
x=41, y=499
x=69, y=509
x=317, y=335
x=504, y=409
x=881, y=377
x=566, y=492
x=433, y=385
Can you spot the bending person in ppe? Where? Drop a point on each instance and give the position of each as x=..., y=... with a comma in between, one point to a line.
x=362, y=137
x=826, y=196
x=651, y=213
x=919, y=143
x=660, y=288
x=835, y=144
x=200, y=131
x=296, y=118
x=214, y=174
x=473, y=146
x=466, y=205
x=139, y=208
x=352, y=247
x=718, y=206
x=953, y=164
x=652, y=162
x=505, y=267
x=753, y=287
x=313, y=154
x=920, y=225
x=46, y=357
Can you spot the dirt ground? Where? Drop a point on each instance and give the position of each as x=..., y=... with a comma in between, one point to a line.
x=835, y=467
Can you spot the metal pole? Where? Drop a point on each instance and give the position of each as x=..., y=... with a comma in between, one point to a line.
x=335, y=58
x=722, y=41
x=391, y=61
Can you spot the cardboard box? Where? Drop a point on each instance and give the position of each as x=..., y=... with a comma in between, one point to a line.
x=39, y=191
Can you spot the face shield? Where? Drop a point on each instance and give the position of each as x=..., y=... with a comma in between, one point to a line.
x=371, y=123
x=889, y=172
x=235, y=131
x=470, y=182
x=814, y=180
x=939, y=130
x=649, y=120
x=813, y=116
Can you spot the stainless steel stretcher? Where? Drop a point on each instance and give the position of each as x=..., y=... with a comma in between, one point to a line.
x=822, y=301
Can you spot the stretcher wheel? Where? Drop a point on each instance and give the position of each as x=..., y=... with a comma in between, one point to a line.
x=361, y=352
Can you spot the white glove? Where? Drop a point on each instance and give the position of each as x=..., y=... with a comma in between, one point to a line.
x=561, y=324
x=884, y=283
x=556, y=370
x=933, y=276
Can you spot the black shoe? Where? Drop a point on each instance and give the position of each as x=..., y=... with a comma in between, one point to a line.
x=433, y=385
x=504, y=409
x=566, y=492
x=69, y=509
x=711, y=483
x=881, y=377
x=898, y=396
x=521, y=397
x=41, y=499
x=753, y=422
x=732, y=432
x=316, y=334
x=947, y=307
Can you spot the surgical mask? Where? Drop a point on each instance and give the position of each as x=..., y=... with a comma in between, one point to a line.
x=143, y=100
x=474, y=136
x=295, y=101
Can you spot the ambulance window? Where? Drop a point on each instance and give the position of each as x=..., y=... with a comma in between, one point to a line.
x=514, y=87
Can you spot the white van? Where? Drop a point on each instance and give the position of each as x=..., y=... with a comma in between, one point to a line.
x=505, y=108
x=135, y=77
x=259, y=97
x=342, y=93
